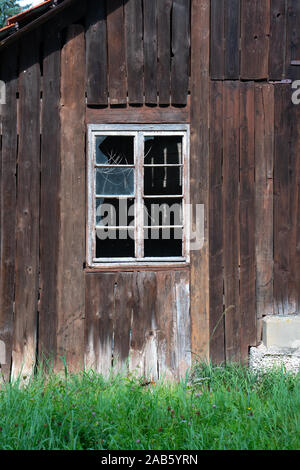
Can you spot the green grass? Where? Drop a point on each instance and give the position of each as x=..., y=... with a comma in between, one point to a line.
x=219, y=408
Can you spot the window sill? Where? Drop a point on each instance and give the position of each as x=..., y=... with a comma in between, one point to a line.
x=113, y=267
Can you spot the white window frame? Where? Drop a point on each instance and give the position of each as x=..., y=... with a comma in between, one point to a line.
x=138, y=131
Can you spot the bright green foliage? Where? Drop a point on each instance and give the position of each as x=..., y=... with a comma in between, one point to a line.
x=218, y=408
x=9, y=8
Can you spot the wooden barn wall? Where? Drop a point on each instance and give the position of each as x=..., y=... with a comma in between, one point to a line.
x=255, y=40
x=226, y=73
x=254, y=170
x=101, y=61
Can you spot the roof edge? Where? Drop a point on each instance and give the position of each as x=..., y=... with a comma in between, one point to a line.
x=14, y=31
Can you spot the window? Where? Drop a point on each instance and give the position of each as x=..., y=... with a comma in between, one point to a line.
x=138, y=191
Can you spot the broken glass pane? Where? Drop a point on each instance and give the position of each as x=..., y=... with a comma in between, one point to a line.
x=114, y=150
x=115, y=181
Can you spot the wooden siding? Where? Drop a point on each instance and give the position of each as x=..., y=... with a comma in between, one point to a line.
x=216, y=64
x=200, y=175
x=147, y=55
x=255, y=39
x=138, y=322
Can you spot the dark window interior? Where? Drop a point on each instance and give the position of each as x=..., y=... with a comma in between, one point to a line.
x=161, y=192
x=119, y=244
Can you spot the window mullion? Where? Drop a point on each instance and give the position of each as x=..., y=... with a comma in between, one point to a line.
x=139, y=196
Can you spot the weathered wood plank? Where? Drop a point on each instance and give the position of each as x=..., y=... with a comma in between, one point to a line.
x=183, y=323
x=96, y=53
x=50, y=179
x=124, y=302
x=164, y=50
x=71, y=254
x=294, y=172
x=180, y=51
x=139, y=115
x=264, y=166
x=281, y=199
x=231, y=219
x=199, y=167
x=232, y=39
x=173, y=335
x=278, y=23
x=116, y=52
x=255, y=31
x=27, y=226
x=247, y=220
x=216, y=318
x=293, y=39
x=166, y=330
x=297, y=223
x=8, y=203
x=217, y=40
x=143, y=351
x=99, y=293
x=134, y=50
x=129, y=317
x=150, y=51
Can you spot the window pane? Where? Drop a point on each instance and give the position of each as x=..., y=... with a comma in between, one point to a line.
x=115, y=243
x=115, y=150
x=162, y=212
x=114, y=212
x=163, y=150
x=162, y=242
x=115, y=181
x=162, y=180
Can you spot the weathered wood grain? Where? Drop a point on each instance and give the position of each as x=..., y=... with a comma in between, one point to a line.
x=216, y=318
x=278, y=23
x=232, y=39
x=296, y=215
x=8, y=202
x=27, y=225
x=164, y=50
x=293, y=39
x=138, y=322
x=183, y=323
x=134, y=50
x=99, y=306
x=199, y=167
x=139, y=115
x=116, y=52
x=143, y=352
x=50, y=181
x=231, y=219
x=180, y=51
x=150, y=51
x=124, y=300
x=71, y=254
x=217, y=40
x=264, y=167
x=173, y=334
x=247, y=219
x=294, y=176
x=96, y=53
x=255, y=32
x=281, y=199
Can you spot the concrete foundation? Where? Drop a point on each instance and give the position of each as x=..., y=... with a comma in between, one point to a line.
x=281, y=331
x=280, y=346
